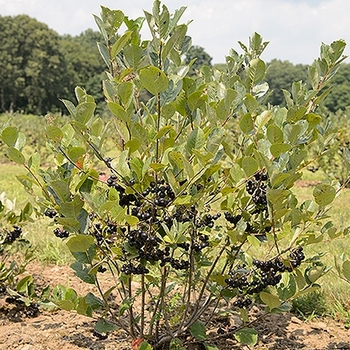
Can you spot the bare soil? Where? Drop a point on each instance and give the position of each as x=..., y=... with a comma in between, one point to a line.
x=70, y=331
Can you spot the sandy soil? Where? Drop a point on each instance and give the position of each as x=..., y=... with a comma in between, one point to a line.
x=69, y=331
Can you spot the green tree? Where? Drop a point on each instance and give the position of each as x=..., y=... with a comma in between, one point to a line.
x=85, y=66
x=280, y=76
x=201, y=57
x=30, y=62
x=339, y=97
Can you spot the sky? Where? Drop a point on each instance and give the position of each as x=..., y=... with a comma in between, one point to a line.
x=295, y=29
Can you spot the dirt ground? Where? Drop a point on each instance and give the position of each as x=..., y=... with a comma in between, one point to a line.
x=70, y=331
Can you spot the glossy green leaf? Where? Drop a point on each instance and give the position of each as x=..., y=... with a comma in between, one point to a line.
x=274, y=134
x=103, y=326
x=247, y=336
x=60, y=190
x=120, y=43
x=256, y=70
x=54, y=133
x=272, y=301
x=145, y=346
x=195, y=140
x=16, y=155
x=80, y=243
x=9, y=135
x=198, y=331
x=154, y=80
x=82, y=272
x=72, y=208
x=324, y=194
x=278, y=148
x=133, y=55
x=118, y=111
x=84, y=112
x=246, y=123
x=249, y=165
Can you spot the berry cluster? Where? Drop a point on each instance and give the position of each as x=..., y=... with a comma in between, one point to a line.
x=175, y=263
x=242, y=302
x=60, y=232
x=201, y=244
x=256, y=187
x=101, y=269
x=51, y=213
x=151, y=207
x=266, y=273
x=32, y=310
x=13, y=234
x=100, y=336
x=208, y=220
x=129, y=269
x=296, y=257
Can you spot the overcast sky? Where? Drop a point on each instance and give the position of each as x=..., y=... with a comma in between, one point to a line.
x=294, y=28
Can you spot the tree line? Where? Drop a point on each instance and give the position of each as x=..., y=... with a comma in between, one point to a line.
x=38, y=67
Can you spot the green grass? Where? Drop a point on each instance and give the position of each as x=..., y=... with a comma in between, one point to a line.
x=332, y=299
x=48, y=248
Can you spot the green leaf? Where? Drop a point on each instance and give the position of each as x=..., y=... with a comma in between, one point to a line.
x=85, y=112
x=274, y=134
x=272, y=301
x=103, y=326
x=120, y=43
x=287, y=287
x=126, y=93
x=61, y=190
x=256, y=70
x=210, y=347
x=94, y=301
x=346, y=269
x=249, y=165
x=246, y=123
x=176, y=37
x=313, y=120
x=9, y=135
x=247, y=336
x=104, y=53
x=133, y=55
x=24, y=285
x=262, y=119
x=133, y=145
x=80, y=243
x=15, y=155
x=154, y=80
x=195, y=140
x=278, y=148
x=82, y=272
x=324, y=194
x=54, y=133
x=118, y=111
x=70, y=107
x=72, y=208
x=198, y=331
x=145, y=346
x=195, y=100
x=251, y=103
x=75, y=153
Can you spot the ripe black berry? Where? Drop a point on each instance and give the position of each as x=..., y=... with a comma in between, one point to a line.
x=60, y=233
